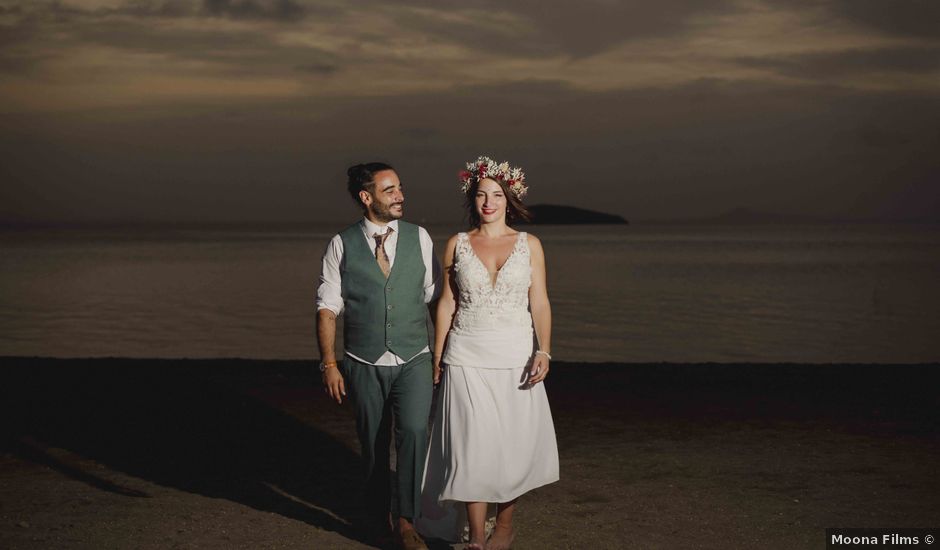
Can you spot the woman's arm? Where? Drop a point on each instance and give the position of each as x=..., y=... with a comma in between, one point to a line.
x=541, y=311
x=446, y=306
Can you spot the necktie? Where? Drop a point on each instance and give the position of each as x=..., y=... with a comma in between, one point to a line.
x=380, y=255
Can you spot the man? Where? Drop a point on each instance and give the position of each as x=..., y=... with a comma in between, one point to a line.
x=381, y=271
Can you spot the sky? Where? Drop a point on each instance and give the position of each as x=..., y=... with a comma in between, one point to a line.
x=251, y=110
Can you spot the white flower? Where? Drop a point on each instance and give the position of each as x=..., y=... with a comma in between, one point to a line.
x=485, y=167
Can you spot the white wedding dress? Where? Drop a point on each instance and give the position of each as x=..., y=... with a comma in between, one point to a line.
x=493, y=438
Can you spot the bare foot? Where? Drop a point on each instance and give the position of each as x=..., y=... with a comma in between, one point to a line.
x=501, y=538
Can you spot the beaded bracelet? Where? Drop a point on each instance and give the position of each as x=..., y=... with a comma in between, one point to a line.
x=545, y=353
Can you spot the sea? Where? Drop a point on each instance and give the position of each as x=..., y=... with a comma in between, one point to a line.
x=841, y=293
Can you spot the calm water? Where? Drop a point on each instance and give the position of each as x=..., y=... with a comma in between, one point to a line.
x=866, y=293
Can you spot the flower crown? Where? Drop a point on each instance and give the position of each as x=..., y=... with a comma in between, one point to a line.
x=485, y=167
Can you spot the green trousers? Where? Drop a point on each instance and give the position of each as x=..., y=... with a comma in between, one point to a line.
x=377, y=394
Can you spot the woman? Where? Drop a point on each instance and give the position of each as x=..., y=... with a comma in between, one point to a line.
x=493, y=438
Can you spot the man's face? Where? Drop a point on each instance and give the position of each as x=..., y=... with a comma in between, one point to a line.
x=384, y=203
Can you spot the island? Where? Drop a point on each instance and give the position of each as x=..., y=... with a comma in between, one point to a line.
x=554, y=214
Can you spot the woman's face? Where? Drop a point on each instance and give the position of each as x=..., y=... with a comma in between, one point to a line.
x=490, y=201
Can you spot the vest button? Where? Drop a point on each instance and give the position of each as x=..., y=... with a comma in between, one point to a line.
x=388, y=325
x=389, y=342
x=390, y=306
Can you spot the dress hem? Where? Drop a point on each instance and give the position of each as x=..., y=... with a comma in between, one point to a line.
x=516, y=495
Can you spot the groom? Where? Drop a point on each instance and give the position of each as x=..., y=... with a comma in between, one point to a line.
x=381, y=271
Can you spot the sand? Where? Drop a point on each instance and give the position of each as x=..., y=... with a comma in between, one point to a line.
x=119, y=453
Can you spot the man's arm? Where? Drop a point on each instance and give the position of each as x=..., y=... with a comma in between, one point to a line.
x=326, y=338
x=329, y=305
x=433, y=279
x=326, y=335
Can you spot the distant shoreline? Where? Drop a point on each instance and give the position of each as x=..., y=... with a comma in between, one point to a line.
x=556, y=214
x=303, y=226
x=298, y=363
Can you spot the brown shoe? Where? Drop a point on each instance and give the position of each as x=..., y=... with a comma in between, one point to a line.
x=410, y=540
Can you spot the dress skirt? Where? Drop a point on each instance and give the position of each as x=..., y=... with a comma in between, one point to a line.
x=493, y=440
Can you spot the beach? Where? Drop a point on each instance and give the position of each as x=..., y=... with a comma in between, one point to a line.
x=163, y=453
x=729, y=211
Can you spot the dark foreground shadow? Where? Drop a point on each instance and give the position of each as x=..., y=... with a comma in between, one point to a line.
x=194, y=425
x=869, y=398
x=184, y=424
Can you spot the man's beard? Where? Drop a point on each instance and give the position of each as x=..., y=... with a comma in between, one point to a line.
x=384, y=213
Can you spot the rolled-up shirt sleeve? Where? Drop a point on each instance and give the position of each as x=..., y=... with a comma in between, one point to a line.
x=330, y=291
x=432, y=268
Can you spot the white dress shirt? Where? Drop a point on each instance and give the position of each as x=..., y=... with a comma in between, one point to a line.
x=330, y=295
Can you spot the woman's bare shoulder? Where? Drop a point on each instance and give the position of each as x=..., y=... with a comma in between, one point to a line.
x=533, y=240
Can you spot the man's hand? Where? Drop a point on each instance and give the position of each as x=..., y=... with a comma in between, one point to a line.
x=334, y=385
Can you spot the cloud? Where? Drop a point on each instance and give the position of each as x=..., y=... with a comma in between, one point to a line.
x=587, y=28
x=904, y=18
x=369, y=47
x=322, y=69
x=23, y=64
x=822, y=65
x=536, y=28
x=281, y=10
x=154, y=8
x=277, y=10
x=61, y=39
x=920, y=18
x=232, y=51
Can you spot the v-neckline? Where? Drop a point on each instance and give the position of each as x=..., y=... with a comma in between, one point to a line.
x=494, y=281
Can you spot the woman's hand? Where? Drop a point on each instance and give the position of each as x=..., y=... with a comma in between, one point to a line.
x=539, y=369
x=437, y=370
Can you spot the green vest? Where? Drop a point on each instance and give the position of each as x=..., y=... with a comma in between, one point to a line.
x=383, y=314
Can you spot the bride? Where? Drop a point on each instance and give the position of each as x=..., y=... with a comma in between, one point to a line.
x=493, y=438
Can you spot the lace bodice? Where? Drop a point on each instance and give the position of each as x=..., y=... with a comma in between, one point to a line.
x=482, y=304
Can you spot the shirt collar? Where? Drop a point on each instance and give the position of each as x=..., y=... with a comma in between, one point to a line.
x=372, y=228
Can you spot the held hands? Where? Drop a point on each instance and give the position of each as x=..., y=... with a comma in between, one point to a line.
x=539, y=369
x=333, y=384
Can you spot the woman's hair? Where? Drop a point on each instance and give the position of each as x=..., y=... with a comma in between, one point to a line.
x=362, y=178
x=515, y=210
